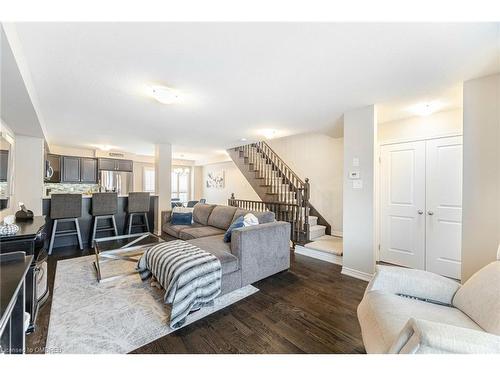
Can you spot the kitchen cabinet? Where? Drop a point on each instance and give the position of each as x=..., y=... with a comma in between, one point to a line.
x=70, y=169
x=115, y=165
x=88, y=168
x=107, y=164
x=4, y=163
x=53, y=168
x=124, y=165
x=76, y=169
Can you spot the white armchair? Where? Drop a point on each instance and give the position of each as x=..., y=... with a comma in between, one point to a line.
x=413, y=311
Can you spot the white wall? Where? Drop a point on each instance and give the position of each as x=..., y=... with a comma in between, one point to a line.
x=360, y=139
x=197, y=182
x=28, y=170
x=435, y=125
x=235, y=183
x=163, y=179
x=138, y=172
x=320, y=158
x=481, y=186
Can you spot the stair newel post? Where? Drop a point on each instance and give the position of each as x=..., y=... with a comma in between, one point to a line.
x=306, y=207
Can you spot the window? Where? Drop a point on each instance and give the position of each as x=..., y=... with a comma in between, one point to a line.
x=148, y=181
x=181, y=181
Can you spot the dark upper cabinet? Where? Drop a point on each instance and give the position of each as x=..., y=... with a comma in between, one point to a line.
x=4, y=164
x=88, y=171
x=70, y=169
x=107, y=164
x=52, y=168
x=124, y=165
x=115, y=165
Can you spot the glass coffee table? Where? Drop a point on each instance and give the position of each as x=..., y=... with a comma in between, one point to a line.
x=128, y=248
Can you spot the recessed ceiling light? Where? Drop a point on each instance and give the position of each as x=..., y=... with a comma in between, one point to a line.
x=426, y=108
x=165, y=95
x=243, y=139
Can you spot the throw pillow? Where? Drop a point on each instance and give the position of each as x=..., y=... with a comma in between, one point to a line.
x=181, y=218
x=238, y=223
x=250, y=219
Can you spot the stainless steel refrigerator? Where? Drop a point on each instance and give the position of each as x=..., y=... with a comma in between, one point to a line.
x=119, y=182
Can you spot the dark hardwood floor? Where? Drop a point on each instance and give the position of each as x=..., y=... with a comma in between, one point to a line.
x=309, y=309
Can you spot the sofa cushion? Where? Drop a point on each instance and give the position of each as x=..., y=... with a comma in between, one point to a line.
x=221, y=217
x=174, y=230
x=201, y=212
x=383, y=315
x=479, y=298
x=262, y=216
x=216, y=246
x=199, y=231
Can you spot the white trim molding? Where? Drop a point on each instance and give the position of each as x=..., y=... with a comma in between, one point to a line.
x=357, y=274
x=321, y=255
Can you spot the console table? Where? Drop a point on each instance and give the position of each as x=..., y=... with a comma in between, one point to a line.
x=13, y=270
x=24, y=240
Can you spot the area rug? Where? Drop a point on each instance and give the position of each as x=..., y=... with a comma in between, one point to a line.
x=115, y=316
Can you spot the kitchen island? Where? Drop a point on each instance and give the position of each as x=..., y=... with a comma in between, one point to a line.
x=86, y=220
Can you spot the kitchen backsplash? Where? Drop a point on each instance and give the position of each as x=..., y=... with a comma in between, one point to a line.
x=70, y=188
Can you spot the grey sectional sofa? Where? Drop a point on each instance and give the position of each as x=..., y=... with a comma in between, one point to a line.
x=254, y=253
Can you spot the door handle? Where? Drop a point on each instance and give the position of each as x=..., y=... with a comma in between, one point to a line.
x=430, y=213
x=420, y=212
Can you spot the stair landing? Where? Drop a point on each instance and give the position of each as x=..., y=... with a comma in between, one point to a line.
x=328, y=244
x=327, y=248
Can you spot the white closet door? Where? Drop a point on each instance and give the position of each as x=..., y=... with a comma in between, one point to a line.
x=444, y=206
x=402, y=224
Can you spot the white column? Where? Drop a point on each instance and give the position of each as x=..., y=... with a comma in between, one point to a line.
x=481, y=179
x=360, y=137
x=28, y=173
x=163, y=168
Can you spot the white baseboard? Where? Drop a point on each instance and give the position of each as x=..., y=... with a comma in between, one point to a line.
x=337, y=233
x=357, y=274
x=321, y=255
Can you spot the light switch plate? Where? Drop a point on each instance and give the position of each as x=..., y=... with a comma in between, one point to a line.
x=357, y=184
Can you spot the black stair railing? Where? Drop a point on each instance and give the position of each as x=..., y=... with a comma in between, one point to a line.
x=289, y=195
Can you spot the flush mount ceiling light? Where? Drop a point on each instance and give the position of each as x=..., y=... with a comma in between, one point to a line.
x=243, y=139
x=165, y=95
x=426, y=108
x=268, y=133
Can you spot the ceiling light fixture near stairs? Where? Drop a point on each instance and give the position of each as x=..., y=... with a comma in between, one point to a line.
x=165, y=95
x=268, y=133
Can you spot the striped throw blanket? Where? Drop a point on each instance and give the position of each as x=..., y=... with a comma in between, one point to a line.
x=190, y=276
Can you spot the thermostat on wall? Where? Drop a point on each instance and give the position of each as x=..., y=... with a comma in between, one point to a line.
x=354, y=175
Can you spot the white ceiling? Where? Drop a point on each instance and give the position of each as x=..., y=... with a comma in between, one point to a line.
x=403, y=107
x=236, y=78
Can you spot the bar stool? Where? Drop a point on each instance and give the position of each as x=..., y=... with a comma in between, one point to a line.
x=138, y=204
x=65, y=208
x=104, y=207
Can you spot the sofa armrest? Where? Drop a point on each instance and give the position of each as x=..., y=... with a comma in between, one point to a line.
x=165, y=217
x=425, y=337
x=416, y=283
x=262, y=250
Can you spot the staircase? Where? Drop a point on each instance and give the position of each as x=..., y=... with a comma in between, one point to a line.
x=280, y=189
